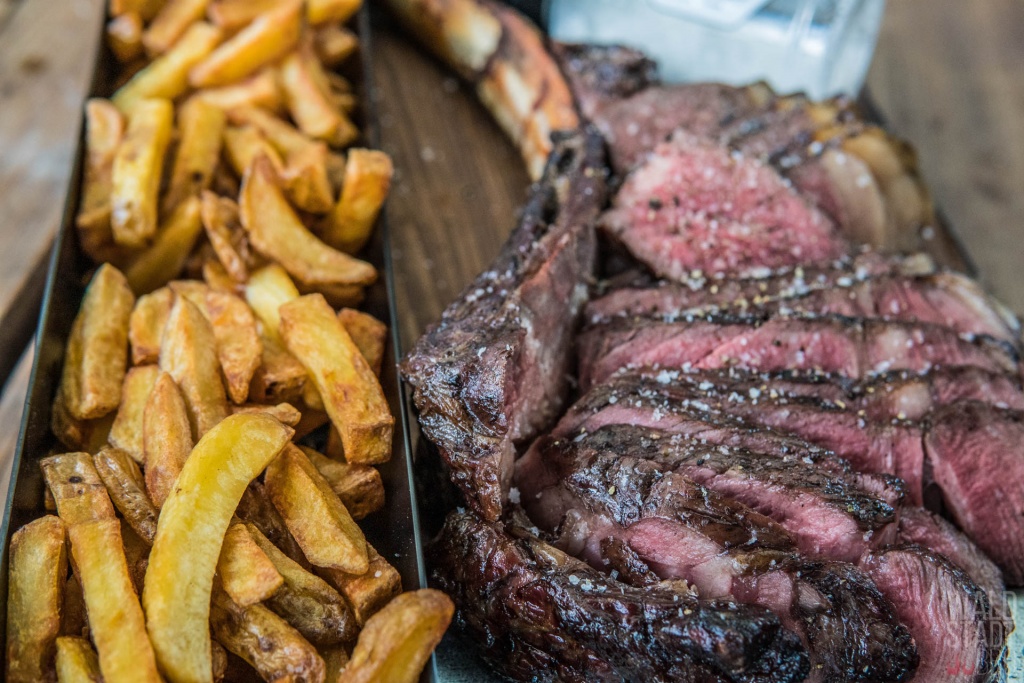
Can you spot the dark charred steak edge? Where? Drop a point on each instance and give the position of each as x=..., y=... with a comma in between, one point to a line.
x=494, y=369
x=520, y=597
x=600, y=73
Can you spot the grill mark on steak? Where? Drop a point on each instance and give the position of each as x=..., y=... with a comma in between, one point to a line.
x=541, y=615
x=494, y=369
x=693, y=206
x=684, y=531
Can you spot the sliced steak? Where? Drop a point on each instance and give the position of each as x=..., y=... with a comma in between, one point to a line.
x=850, y=347
x=945, y=611
x=976, y=456
x=609, y=485
x=494, y=369
x=693, y=206
x=541, y=615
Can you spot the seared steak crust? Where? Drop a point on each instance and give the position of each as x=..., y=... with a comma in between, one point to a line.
x=494, y=369
x=601, y=74
x=541, y=615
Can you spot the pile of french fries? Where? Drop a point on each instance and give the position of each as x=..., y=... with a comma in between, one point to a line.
x=194, y=537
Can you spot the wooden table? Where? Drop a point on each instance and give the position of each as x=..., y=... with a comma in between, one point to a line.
x=947, y=78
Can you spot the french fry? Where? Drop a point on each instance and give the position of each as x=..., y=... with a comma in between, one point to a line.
x=97, y=351
x=224, y=230
x=279, y=378
x=396, y=642
x=164, y=258
x=266, y=290
x=218, y=279
x=256, y=509
x=334, y=44
x=124, y=36
x=306, y=601
x=339, y=92
x=238, y=343
x=171, y=23
x=367, y=181
x=323, y=11
x=368, y=592
x=276, y=231
x=147, y=9
x=358, y=486
x=80, y=435
x=115, y=618
x=276, y=650
x=307, y=100
x=189, y=535
x=284, y=136
x=232, y=15
x=104, y=130
x=146, y=325
x=166, y=438
x=368, y=334
x=350, y=390
x=258, y=90
x=314, y=514
x=188, y=353
x=201, y=128
x=35, y=595
x=248, y=575
x=245, y=144
x=306, y=181
x=127, y=489
x=167, y=75
x=338, y=296
x=126, y=432
x=136, y=174
x=285, y=413
x=266, y=39
x=76, y=661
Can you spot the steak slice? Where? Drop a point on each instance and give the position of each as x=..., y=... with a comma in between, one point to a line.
x=854, y=348
x=827, y=514
x=693, y=206
x=976, y=456
x=945, y=611
x=541, y=615
x=494, y=370
x=608, y=485
x=600, y=75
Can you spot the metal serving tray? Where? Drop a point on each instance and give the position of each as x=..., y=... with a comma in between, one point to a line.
x=394, y=531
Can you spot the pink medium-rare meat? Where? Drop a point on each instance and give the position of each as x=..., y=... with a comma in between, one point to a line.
x=694, y=206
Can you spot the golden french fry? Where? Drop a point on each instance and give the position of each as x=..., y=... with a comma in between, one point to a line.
x=115, y=618
x=323, y=11
x=232, y=15
x=171, y=23
x=224, y=230
x=248, y=575
x=334, y=44
x=266, y=290
x=104, y=130
x=286, y=138
x=338, y=296
x=276, y=231
x=218, y=279
x=367, y=181
x=259, y=90
x=146, y=325
x=280, y=376
x=35, y=596
x=358, y=486
x=311, y=397
x=166, y=438
x=368, y=592
x=308, y=103
x=124, y=36
x=189, y=535
x=256, y=509
x=127, y=489
x=126, y=432
x=285, y=413
x=368, y=334
x=348, y=386
x=276, y=650
x=238, y=342
x=306, y=180
x=396, y=642
x=201, y=127
x=136, y=174
x=245, y=144
x=165, y=257
x=314, y=514
x=268, y=37
x=306, y=601
x=76, y=661
x=97, y=351
x=189, y=354
x=147, y=9
x=80, y=435
x=167, y=75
